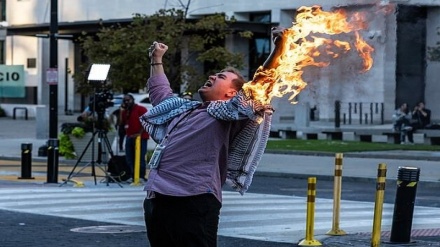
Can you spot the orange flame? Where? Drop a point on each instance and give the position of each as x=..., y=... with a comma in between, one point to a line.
x=301, y=47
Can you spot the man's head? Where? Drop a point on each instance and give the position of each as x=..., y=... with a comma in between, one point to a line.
x=128, y=101
x=222, y=86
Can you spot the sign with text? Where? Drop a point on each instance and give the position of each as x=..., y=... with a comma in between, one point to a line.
x=52, y=76
x=12, y=83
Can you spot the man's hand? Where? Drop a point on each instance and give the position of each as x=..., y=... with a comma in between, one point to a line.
x=278, y=37
x=156, y=51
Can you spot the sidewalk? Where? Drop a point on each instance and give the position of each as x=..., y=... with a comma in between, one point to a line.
x=356, y=167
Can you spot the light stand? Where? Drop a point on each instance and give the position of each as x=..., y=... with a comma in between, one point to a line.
x=98, y=74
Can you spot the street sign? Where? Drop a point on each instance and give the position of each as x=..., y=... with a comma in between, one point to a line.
x=12, y=81
x=52, y=76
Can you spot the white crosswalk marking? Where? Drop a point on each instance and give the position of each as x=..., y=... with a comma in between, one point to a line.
x=254, y=216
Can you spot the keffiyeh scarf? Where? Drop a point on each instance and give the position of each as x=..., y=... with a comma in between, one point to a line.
x=246, y=148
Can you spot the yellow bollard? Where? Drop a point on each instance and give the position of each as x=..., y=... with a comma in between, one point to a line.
x=337, y=186
x=378, y=206
x=137, y=162
x=311, y=195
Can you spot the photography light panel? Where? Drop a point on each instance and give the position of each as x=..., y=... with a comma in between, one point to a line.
x=98, y=72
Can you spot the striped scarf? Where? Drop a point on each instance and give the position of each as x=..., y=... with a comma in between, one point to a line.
x=246, y=148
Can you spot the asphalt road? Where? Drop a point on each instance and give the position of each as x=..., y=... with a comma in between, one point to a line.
x=357, y=190
x=23, y=230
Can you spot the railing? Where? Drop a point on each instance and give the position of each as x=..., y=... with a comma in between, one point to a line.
x=360, y=112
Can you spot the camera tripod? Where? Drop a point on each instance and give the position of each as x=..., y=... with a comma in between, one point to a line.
x=98, y=163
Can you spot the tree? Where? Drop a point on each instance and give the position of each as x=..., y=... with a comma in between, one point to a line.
x=125, y=48
x=434, y=51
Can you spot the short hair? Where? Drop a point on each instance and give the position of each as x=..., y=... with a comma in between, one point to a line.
x=237, y=82
x=130, y=95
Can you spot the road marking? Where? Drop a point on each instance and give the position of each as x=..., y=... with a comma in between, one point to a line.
x=254, y=216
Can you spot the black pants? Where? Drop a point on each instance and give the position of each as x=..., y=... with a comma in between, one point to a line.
x=121, y=134
x=182, y=221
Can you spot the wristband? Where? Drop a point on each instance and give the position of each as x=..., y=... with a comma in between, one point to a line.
x=153, y=64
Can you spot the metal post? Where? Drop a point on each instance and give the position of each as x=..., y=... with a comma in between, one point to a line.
x=137, y=162
x=26, y=161
x=349, y=113
x=378, y=205
x=337, y=114
x=310, y=221
x=407, y=179
x=52, y=160
x=360, y=113
x=337, y=187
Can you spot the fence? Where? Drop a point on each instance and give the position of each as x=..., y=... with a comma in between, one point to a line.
x=359, y=112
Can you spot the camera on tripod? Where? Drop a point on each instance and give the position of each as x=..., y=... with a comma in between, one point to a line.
x=101, y=101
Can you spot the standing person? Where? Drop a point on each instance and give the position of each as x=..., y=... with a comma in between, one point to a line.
x=120, y=126
x=133, y=128
x=422, y=116
x=202, y=146
x=402, y=123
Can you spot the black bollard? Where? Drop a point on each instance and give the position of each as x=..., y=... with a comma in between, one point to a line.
x=407, y=179
x=52, y=161
x=26, y=161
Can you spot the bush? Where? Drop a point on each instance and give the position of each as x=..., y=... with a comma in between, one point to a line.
x=2, y=112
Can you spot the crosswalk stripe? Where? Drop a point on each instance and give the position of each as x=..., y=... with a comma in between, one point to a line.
x=255, y=216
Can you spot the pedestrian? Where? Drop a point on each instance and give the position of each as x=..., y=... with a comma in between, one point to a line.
x=202, y=145
x=129, y=117
x=421, y=116
x=402, y=123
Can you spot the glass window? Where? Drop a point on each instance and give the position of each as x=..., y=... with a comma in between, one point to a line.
x=260, y=17
x=2, y=52
x=259, y=49
x=2, y=10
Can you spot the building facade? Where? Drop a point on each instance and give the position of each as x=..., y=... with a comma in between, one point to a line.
x=400, y=73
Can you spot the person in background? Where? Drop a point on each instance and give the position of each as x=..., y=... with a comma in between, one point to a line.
x=421, y=116
x=129, y=117
x=119, y=125
x=402, y=123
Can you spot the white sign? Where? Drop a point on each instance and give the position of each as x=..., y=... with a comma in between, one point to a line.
x=52, y=76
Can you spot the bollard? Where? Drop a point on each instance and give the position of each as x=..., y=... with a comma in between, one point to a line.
x=26, y=161
x=310, y=217
x=52, y=161
x=137, y=163
x=337, y=186
x=407, y=179
x=337, y=114
x=378, y=205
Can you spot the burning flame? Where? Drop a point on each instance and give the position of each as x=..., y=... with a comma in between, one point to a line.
x=301, y=47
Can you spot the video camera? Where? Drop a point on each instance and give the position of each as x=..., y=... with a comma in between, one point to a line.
x=101, y=100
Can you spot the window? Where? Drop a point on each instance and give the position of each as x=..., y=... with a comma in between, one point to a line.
x=2, y=10
x=260, y=17
x=259, y=49
x=2, y=52
x=31, y=63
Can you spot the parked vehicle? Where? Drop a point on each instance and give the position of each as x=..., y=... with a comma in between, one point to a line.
x=140, y=99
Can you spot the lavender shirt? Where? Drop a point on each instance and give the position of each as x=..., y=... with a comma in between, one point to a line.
x=195, y=157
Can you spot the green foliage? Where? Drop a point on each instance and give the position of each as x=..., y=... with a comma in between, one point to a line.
x=434, y=51
x=2, y=112
x=78, y=132
x=340, y=146
x=125, y=48
x=66, y=147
